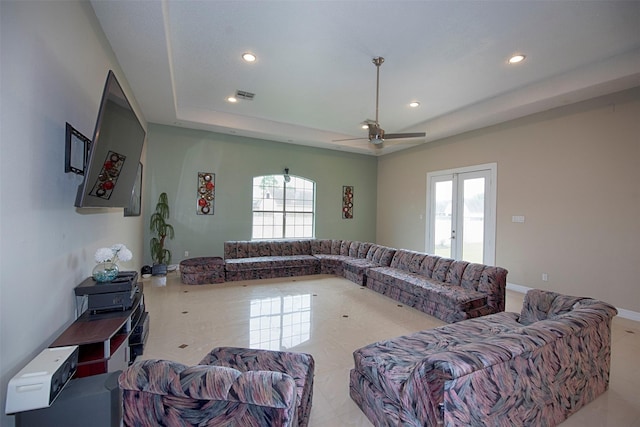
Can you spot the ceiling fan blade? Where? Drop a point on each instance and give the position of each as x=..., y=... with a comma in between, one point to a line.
x=349, y=139
x=405, y=135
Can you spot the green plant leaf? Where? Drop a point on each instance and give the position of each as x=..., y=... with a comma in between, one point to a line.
x=159, y=226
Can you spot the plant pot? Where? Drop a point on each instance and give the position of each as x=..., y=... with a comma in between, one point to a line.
x=159, y=270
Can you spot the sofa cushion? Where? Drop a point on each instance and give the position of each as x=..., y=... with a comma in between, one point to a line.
x=403, y=259
x=230, y=249
x=455, y=272
x=242, y=249
x=428, y=265
x=321, y=246
x=359, y=265
x=260, y=248
x=471, y=276
x=331, y=264
x=284, y=249
x=415, y=266
x=269, y=262
x=344, y=247
x=202, y=382
x=388, y=364
x=441, y=268
x=353, y=249
x=381, y=255
x=453, y=296
x=541, y=305
x=300, y=247
x=363, y=249
x=299, y=366
x=159, y=392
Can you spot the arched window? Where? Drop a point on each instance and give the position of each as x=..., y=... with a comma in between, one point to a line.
x=283, y=209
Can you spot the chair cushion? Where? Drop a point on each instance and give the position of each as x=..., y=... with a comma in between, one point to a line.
x=299, y=366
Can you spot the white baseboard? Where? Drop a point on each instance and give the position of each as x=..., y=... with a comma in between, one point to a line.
x=627, y=314
x=518, y=288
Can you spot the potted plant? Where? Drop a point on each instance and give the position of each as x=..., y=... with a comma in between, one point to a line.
x=160, y=255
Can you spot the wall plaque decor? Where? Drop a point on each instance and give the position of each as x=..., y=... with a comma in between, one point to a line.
x=206, y=193
x=108, y=177
x=347, y=201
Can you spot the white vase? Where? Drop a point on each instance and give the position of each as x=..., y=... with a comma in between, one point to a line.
x=105, y=272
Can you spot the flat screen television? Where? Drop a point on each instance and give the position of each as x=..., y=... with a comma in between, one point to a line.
x=112, y=165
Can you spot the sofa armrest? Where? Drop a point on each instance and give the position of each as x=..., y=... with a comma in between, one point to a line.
x=539, y=305
x=423, y=396
x=205, y=382
x=493, y=282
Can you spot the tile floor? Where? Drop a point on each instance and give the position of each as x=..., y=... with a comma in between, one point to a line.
x=330, y=317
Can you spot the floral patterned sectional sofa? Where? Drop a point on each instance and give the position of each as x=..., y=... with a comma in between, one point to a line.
x=447, y=289
x=533, y=368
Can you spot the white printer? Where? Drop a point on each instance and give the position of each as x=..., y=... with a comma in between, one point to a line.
x=41, y=381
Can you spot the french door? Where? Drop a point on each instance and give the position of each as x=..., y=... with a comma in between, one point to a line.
x=461, y=222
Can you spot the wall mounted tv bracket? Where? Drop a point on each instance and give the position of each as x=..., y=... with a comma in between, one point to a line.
x=76, y=153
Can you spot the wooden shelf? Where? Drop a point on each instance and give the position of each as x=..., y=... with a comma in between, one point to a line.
x=103, y=339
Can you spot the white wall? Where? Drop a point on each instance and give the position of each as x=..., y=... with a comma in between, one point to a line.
x=572, y=172
x=54, y=60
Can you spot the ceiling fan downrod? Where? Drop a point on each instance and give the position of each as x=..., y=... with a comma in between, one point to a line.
x=378, y=61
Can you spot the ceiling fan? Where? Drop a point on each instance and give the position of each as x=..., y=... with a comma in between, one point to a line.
x=377, y=135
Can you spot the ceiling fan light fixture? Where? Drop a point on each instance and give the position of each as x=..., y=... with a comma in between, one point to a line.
x=376, y=139
x=516, y=59
x=249, y=57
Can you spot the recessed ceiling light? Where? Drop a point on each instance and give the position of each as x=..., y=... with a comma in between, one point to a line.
x=515, y=59
x=232, y=99
x=248, y=57
x=414, y=104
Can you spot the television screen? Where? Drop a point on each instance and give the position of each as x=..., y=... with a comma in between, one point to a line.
x=111, y=171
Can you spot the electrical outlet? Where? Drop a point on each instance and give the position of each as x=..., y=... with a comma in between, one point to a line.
x=186, y=253
x=545, y=277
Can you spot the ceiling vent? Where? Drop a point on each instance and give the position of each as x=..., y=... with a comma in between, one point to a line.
x=248, y=96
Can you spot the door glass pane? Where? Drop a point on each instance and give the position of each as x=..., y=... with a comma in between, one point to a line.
x=461, y=220
x=443, y=206
x=473, y=220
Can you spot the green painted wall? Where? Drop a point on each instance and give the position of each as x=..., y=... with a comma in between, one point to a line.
x=178, y=154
